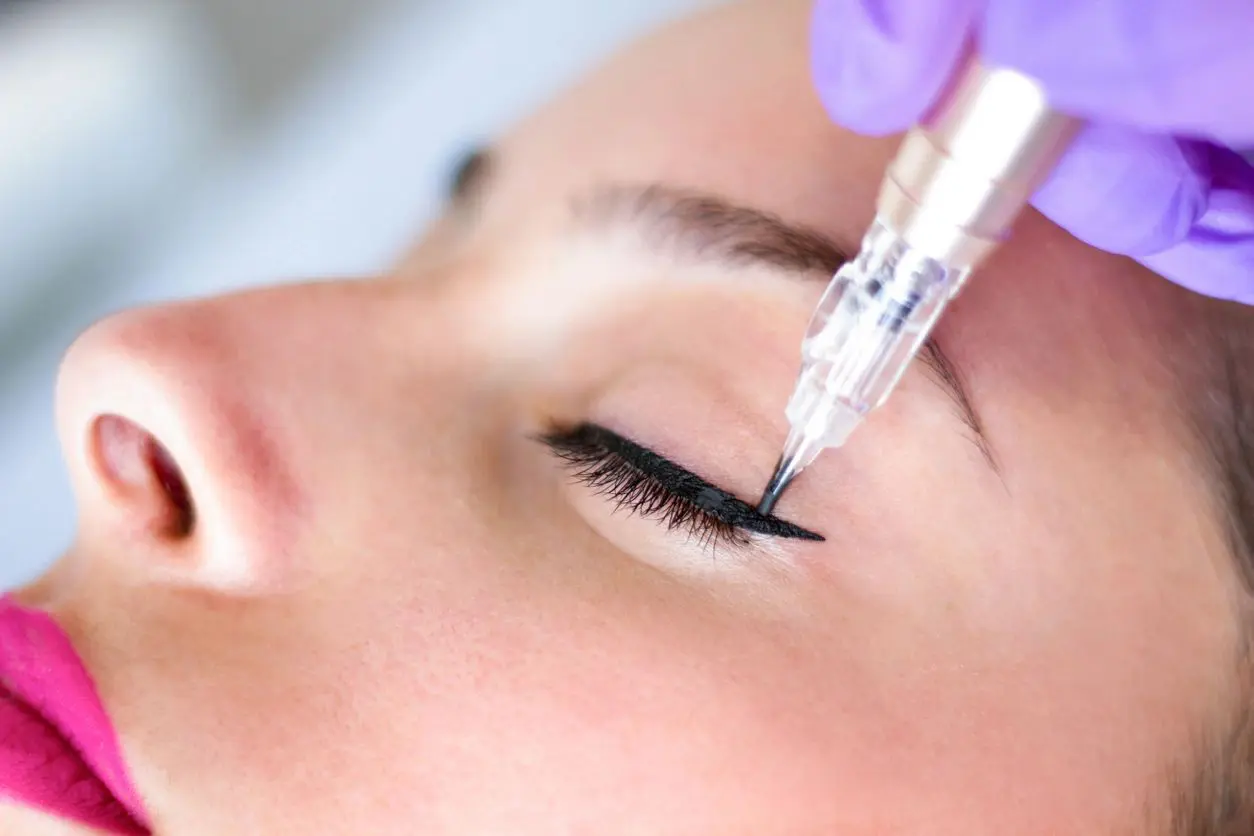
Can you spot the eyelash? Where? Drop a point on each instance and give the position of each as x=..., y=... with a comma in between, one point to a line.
x=619, y=470
x=629, y=488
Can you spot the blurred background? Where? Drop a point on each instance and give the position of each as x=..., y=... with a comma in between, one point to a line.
x=160, y=149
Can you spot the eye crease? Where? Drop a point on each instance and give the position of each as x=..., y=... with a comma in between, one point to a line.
x=639, y=480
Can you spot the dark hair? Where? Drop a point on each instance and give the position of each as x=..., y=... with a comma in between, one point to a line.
x=1218, y=797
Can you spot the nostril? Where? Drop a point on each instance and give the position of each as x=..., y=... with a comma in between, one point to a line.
x=174, y=486
x=145, y=471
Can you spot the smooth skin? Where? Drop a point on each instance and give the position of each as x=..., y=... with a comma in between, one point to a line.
x=397, y=614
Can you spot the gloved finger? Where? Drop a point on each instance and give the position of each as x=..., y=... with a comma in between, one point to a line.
x=1216, y=257
x=879, y=64
x=1168, y=66
x=1125, y=191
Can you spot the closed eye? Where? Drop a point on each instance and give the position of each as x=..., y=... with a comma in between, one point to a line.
x=638, y=480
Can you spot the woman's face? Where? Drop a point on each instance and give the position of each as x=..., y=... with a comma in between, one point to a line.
x=397, y=610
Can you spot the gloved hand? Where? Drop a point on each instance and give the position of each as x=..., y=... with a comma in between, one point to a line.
x=1145, y=73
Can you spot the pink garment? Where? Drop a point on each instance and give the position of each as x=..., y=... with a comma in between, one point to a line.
x=58, y=750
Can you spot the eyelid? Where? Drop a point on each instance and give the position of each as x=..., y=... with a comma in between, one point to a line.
x=654, y=487
x=608, y=476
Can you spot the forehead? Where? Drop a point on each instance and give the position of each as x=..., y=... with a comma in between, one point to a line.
x=720, y=103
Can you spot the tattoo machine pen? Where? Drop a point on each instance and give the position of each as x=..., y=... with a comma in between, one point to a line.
x=950, y=195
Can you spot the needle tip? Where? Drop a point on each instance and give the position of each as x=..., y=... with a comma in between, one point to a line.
x=799, y=451
x=785, y=470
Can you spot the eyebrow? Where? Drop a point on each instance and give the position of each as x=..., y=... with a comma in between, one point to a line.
x=468, y=175
x=942, y=371
x=709, y=228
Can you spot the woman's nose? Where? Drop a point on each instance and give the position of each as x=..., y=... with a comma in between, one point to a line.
x=179, y=475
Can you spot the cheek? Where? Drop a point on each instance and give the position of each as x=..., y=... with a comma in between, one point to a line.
x=571, y=696
x=578, y=698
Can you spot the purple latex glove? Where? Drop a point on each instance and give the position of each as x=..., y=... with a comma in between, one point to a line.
x=1145, y=73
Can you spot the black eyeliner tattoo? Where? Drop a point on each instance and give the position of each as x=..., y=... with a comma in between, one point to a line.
x=639, y=480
